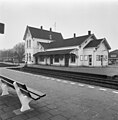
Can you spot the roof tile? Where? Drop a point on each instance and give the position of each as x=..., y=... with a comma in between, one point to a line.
x=45, y=34
x=66, y=42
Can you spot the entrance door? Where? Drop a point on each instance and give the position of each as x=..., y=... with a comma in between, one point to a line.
x=66, y=60
x=51, y=60
x=101, y=60
x=90, y=60
x=36, y=60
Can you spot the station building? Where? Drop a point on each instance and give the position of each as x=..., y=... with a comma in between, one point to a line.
x=113, y=57
x=47, y=47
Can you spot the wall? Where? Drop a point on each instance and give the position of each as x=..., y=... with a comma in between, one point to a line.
x=102, y=50
x=88, y=51
x=81, y=51
x=29, y=50
x=34, y=47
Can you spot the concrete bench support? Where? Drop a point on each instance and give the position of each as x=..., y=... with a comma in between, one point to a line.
x=24, y=93
x=25, y=100
x=4, y=88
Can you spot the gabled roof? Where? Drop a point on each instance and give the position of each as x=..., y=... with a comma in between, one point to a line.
x=57, y=52
x=114, y=52
x=43, y=34
x=66, y=42
x=95, y=43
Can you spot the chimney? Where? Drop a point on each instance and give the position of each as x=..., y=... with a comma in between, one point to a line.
x=50, y=29
x=41, y=27
x=74, y=35
x=89, y=32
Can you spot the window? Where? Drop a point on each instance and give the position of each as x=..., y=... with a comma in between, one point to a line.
x=41, y=58
x=29, y=43
x=81, y=57
x=29, y=56
x=56, y=58
x=73, y=58
x=85, y=57
x=50, y=37
x=38, y=43
x=113, y=56
x=98, y=58
x=105, y=57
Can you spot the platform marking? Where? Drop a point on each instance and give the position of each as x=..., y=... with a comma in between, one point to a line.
x=58, y=80
x=89, y=86
x=72, y=83
x=42, y=76
x=102, y=89
x=81, y=85
x=64, y=81
x=52, y=78
x=115, y=92
x=47, y=78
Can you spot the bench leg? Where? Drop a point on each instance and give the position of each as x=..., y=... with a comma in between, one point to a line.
x=23, y=99
x=4, y=89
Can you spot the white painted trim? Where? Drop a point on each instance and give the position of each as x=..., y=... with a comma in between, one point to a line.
x=43, y=40
x=63, y=48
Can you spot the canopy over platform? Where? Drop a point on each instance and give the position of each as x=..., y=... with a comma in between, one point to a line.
x=57, y=52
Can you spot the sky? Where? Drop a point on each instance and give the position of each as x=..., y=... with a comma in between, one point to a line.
x=65, y=16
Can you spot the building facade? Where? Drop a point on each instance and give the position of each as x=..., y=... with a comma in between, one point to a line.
x=49, y=48
x=113, y=57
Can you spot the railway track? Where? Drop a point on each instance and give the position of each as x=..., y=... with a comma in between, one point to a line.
x=93, y=79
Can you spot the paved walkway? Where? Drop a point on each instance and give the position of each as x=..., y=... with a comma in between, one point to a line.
x=65, y=100
x=110, y=70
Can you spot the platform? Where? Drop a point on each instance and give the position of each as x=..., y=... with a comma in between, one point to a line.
x=110, y=70
x=65, y=100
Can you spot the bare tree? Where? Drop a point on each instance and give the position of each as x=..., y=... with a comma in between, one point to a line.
x=19, y=50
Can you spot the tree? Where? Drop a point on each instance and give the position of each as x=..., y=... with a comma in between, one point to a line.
x=6, y=55
x=19, y=50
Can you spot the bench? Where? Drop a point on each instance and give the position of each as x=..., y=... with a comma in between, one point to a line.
x=25, y=94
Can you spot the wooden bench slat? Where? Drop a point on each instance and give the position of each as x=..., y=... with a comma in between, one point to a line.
x=25, y=92
x=9, y=84
x=35, y=92
x=34, y=97
x=7, y=79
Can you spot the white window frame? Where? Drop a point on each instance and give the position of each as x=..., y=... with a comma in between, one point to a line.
x=55, y=58
x=85, y=57
x=73, y=58
x=81, y=57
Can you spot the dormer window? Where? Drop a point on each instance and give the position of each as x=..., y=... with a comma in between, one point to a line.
x=38, y=43
x=50, y=37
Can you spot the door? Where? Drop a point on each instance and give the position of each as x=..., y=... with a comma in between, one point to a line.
x=90, y=60
x=51, y=60
x=101, y=60
x=66, y=60
x=36, y=60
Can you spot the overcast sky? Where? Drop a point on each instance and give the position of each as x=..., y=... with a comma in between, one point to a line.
x=70, y=16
